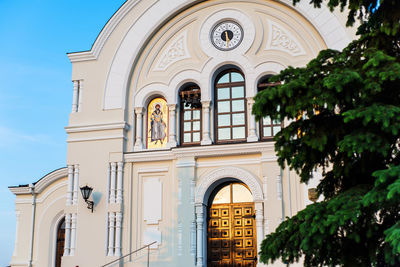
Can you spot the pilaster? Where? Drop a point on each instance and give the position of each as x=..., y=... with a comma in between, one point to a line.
x=111, y=233
x=67, y=234
x=206, y=140
x=172, y=126
x=120, y=169
x=200, y=234
x=75, y=96
x=70, y=184
x=252, y=135
x=76, y=185
x=139, y=129
x=186, y=231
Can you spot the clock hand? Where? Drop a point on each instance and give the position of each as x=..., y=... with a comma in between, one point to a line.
x=227, y=39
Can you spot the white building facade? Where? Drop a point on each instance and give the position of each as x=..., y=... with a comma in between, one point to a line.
x=161, y=129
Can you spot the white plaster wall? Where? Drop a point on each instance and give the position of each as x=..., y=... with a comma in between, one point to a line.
x=50, y=206
x=121, y=72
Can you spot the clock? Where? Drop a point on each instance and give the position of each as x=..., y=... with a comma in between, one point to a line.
x=226, y=35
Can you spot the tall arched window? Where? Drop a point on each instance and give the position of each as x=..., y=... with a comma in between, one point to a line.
x=190, y=117
x=60, y=242
x=268, y=128
x=230, y=107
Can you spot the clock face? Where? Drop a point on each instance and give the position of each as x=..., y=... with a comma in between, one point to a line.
x=226, y=35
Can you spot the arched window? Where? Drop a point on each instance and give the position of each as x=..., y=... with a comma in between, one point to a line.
x=268, y=128
x=230, y=107
x=157, y=123
x=232, y=193
x=60, y=242
x=190, y=117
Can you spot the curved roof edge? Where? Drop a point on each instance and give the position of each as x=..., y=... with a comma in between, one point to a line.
x=303, y=8
x=101, y=39
x=41, y=184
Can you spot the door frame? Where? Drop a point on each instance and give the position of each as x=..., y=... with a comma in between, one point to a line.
x=207, y=184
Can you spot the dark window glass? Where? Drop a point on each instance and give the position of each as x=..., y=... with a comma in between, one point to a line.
x=60, y=242
x=230, y=107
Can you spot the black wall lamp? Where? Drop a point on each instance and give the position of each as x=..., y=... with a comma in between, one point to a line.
x=86, y=192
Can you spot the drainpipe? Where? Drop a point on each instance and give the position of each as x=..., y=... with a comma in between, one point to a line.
x=290, y=197
x=32, y=190
x=290, y=192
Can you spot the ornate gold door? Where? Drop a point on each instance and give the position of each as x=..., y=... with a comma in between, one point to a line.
x=232, y=235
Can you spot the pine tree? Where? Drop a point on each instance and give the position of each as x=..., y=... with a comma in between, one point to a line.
x=350, y=129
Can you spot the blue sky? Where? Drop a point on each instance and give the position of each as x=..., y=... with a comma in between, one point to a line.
x=36, y=89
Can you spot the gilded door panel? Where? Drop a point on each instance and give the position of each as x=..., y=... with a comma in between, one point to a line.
x=231, y=235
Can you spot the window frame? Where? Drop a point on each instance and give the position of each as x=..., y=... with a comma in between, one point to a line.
x=59, y=246
x=230, y=184
x=260, y=87
x=182, y=119
x=230, y=99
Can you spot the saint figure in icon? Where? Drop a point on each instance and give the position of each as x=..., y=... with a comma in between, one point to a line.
x=157, y=125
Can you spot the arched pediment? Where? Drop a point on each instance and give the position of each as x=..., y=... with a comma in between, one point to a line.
x=156, y=14
x=43, y=183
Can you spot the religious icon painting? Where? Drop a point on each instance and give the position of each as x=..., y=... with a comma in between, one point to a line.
x=157, y=123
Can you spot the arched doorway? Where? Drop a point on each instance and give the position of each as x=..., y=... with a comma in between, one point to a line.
x=231, y=226
x=60, y=242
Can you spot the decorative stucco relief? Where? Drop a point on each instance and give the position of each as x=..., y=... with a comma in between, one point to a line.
x=176, y=51
x=280, y=38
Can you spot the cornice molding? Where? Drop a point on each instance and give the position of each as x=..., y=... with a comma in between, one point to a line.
x=97, y=127
x=201, y=151
x=152, y=170
x=43, y=198
x=20, y=190
x=215, y=163
x=82, y=56
x=97, y=138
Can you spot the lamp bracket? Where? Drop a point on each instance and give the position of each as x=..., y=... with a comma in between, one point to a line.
x=90, y=204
